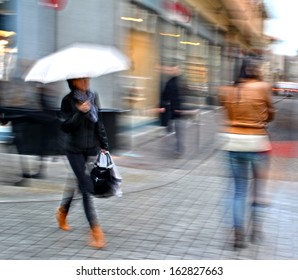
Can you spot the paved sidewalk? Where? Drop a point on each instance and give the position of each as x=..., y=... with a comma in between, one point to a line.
x=171, y=209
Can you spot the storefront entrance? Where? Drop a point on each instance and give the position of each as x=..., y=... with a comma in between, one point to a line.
x=141, y=85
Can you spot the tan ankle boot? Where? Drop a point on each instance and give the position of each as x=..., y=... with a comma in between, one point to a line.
x=97, y=238
x=61, y=219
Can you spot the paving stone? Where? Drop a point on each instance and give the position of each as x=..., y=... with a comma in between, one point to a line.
x=171, y=209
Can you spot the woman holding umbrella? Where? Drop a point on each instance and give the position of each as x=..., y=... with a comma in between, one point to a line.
x=84, y=132
x=84, y=137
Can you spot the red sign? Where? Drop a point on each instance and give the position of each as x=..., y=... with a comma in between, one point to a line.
x=178, y=11
x=53, y=4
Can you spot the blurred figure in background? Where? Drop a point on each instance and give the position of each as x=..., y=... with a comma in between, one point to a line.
x=171, y=104
x=85, y=137
x=34, y=135
x=248, y=106
x=28, y=108
x=165, y=74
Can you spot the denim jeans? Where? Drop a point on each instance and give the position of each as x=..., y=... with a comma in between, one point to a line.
x=78, y=163
x=242, y=164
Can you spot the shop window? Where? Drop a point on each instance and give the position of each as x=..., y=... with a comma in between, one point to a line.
x=172, y=51
x=8, y=53
x=139, y=19
x=196, y=66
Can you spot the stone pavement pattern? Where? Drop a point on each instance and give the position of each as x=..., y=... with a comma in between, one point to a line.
x=171, y=209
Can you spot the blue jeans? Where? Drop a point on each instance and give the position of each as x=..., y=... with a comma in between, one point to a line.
x=242, y=164
x=78, y=162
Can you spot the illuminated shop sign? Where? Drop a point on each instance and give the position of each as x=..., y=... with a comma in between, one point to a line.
x=53, y=4
x=178, y=12
x=173, y=10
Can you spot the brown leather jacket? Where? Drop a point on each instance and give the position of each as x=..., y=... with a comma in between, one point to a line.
x=248, y=106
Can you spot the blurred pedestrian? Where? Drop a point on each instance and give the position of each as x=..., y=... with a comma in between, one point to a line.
x=165, y=75
x=248, y=106
x=172, y=106
x=85, y=137
x=40, y=123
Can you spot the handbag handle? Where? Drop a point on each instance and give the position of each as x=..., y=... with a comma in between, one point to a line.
x=108, y=156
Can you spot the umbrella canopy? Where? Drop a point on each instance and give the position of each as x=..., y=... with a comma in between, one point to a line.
x=78, y=61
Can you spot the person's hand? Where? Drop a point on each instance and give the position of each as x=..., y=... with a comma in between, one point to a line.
x=84, y=107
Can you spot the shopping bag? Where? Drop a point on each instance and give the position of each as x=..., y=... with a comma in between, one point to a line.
x=105, y=177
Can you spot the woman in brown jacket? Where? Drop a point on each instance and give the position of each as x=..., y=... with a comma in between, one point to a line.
x=248, y=106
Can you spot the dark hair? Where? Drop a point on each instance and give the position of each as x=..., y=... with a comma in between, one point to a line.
x=70, y=84
x=250, y=69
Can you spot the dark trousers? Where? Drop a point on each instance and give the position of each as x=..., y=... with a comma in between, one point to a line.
x=78, y=162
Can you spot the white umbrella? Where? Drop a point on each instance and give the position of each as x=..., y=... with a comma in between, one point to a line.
x=78, y=61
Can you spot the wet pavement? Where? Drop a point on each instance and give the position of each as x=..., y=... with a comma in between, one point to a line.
x=172, y=208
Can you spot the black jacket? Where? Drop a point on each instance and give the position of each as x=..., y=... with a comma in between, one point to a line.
x=80, y=133
x=173, y=96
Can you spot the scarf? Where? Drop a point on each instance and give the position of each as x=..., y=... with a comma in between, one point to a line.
x=80, y=96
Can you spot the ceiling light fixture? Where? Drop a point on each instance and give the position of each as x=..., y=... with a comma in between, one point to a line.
x=189, y=43
x=170, y=35
x=3, y=42
x=132, y=19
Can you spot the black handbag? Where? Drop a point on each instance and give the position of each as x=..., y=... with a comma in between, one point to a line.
x=103, y=183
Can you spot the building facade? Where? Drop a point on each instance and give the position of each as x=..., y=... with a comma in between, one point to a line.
x=207, y=38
